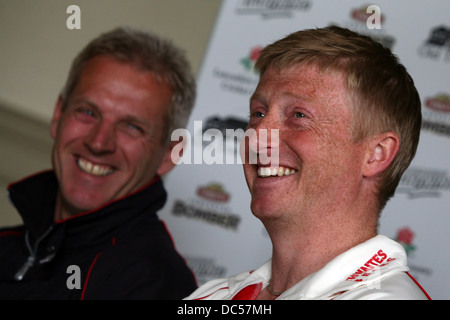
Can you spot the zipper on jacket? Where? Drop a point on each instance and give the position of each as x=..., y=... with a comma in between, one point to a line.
x=20, y=274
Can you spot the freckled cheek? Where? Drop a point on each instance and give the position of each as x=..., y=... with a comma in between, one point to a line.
x=339, y=164
x=323, y=156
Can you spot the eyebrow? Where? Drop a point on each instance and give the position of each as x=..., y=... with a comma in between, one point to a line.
x=86, y=101
x=295, y=96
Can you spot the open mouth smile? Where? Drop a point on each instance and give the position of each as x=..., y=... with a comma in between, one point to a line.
x=94, y=169
x=275, y=171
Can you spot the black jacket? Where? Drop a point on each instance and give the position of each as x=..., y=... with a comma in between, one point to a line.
x=119, y=251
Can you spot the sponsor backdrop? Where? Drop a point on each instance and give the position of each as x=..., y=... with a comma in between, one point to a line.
x=208, y=209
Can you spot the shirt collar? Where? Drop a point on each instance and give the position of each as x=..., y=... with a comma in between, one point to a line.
x=361, y=265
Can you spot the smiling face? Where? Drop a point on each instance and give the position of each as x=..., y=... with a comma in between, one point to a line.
x=319, y=164
x=109, y=137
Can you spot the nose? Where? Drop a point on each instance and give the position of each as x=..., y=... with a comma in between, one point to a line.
x=101, y=139
x=263, y=142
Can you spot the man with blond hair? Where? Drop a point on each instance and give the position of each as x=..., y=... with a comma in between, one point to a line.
x=348, y=119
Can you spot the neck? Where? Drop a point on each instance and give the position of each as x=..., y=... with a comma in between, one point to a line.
x=64, y=210
x=301, y=248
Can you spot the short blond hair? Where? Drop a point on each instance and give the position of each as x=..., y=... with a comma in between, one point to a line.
x=383, y=95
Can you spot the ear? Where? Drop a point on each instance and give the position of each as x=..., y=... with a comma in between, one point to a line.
x=381, y=152
x=56, y=117
x=171, y=157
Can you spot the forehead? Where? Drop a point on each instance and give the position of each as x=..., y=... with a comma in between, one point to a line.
x=108, y=82
x=306, y=82
x=109, y=72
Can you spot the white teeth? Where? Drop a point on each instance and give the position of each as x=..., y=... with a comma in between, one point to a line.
x=94, y=169
x=280, y=171
x=275, y=171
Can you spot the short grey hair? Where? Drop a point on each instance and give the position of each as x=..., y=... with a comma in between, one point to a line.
x=148, y=52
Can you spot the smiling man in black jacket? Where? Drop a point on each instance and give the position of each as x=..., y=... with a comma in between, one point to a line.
x=91, y=229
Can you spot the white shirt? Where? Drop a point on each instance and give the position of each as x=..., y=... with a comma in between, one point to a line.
x=375, y=269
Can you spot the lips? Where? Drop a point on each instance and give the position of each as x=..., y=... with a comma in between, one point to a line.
x=93, y=168
x=275, y=171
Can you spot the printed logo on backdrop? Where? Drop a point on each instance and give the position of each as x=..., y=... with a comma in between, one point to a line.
x=209, y=207
x=209, y=142
x=436, y=115
x=406, y=237
x=364, y=13
x=244, y=79
x=205, y=268
x=437, y=46
x=249, y=61
x=270, y=9
x=369, y=20
x=213, y=192
x=424, y=183
x=225, y=125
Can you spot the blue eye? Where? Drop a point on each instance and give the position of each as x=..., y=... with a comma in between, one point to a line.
x=134, y=127
x=89, y=112
x=85, y=114
x=85, y=111
x=258, y=114
x=299, y=115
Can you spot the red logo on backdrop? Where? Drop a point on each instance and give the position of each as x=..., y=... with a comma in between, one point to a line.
x=249, y=61
x=362, y=15
x=439, y=103
x=405, y=237
x=213, y=192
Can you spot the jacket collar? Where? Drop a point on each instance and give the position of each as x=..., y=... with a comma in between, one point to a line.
x=34, y=197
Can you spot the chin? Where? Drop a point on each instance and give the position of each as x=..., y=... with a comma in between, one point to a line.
x=260, y=210
x=83, y=203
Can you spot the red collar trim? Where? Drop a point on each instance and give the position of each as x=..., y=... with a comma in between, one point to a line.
x=250, y=292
